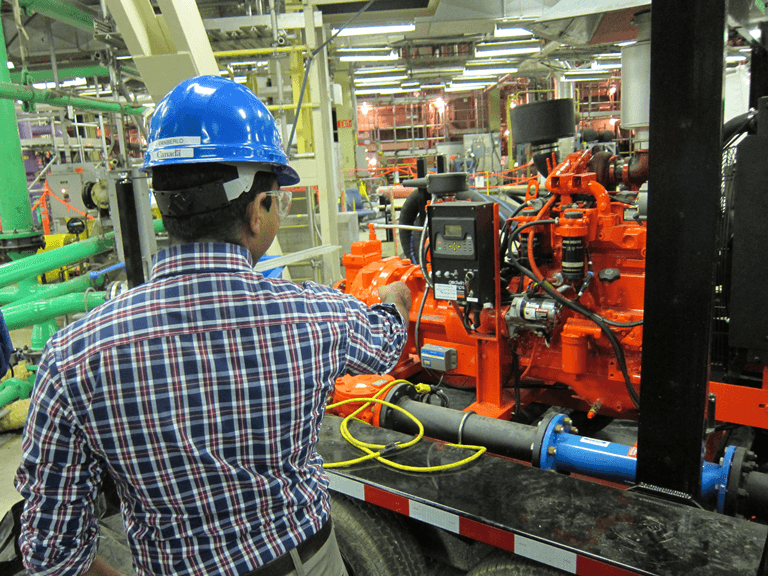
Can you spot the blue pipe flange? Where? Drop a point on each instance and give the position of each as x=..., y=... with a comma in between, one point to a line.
x=545, y=447
x=722, y=490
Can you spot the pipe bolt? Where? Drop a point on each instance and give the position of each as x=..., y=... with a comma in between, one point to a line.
x=551, y=451
x=567, y=422
x=559, y=429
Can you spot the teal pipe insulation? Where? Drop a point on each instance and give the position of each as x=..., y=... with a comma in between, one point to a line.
x=28, y=314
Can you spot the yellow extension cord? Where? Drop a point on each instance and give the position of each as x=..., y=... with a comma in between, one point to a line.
x=374, y=451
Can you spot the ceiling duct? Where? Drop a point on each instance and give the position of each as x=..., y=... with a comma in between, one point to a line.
x=580, y=23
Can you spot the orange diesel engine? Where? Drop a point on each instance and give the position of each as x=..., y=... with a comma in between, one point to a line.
x=545, y=306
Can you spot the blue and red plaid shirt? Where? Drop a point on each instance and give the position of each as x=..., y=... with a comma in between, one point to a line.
x=201, y=393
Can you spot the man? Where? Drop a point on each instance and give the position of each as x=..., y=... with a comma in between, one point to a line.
x=201, y=392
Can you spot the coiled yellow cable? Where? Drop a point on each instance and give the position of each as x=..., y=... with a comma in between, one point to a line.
x=374, y=451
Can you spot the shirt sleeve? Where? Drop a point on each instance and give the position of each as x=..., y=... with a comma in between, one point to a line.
x=377, y=337
x=59, y=481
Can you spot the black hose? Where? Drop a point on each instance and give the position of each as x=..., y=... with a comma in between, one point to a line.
x=414, y=208
x=601, y=322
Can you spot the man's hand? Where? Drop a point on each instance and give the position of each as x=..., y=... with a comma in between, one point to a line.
x=398, y=294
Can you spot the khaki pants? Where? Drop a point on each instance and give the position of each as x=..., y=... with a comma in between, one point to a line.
x=326, y=562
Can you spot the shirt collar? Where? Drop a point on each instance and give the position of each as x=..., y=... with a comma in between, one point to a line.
x=201, y=257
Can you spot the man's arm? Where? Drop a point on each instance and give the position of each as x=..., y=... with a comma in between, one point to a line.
x=59, y=480
x=398, y=294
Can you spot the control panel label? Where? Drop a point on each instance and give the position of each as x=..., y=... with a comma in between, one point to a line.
x=446, y=292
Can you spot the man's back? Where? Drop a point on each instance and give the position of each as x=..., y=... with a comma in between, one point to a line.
x=201, y=393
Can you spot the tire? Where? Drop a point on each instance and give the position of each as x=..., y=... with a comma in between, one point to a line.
x=510, y=565
x=374, y=542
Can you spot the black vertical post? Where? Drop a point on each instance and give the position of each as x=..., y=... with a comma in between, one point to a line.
x=129, y=232
x=758, y=67
x=687, y=61
x=421, y=167
x=442, y=164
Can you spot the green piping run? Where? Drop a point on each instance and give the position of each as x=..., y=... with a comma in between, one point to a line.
x=12, y=91
x=61, y=11
x=62, y=73
x=29, y=314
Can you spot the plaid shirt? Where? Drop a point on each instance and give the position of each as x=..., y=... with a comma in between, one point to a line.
x=201, y=392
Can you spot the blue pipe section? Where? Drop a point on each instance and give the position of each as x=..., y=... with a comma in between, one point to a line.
x=96, y=273
x=565, y=452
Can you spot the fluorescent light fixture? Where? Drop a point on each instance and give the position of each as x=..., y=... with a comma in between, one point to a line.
x=627, y=43
x=756, y=33
x=582, y=78
x=73, y=82
x=410, y=85
x=736, y=58
x=95, y=92
x=250, y=63
x=367, y=30
x=367, y=54
x=488, y=49
x=587, y=71
x=369, y=91
x=609, y=55
x=379, y=70
x=10, y=65
x=474, y=80
x=44, y=85
x=240, y=79
x=606, y=63
x=514, y=32
x=432, y=86
x=437, y=70
x=476, y=71
x=129, y=57
x=380, y=80
x=465, y=87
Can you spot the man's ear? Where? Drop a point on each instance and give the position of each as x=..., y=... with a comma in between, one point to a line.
x=256, y=213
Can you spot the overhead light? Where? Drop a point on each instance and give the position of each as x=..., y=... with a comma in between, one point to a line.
x=587, y=71
x=432, y=86
x=10, y=65
x=369, y=91
x=367, y=30
x=583, y=78
x=609, y=55
x=379, y=70
x=487, y=80
x=736, y=58
x=512, y=32
x=73, y=82
x=250, y=63
x=129, y=57
x=606, y=63
x=437, y=70
x=380, y=80
x=488, y=49
x=45, y=85
x=756, y=33
x=461, y=87
x=410, y=85
x=365, y=108
x=367, y=54
x=627, y=43
x=484, y=70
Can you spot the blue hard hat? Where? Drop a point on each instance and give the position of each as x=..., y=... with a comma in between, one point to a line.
x=212, y=119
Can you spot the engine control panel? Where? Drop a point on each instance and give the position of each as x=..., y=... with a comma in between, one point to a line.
x=461, y=238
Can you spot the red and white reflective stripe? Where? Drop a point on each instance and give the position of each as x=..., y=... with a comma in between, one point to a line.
x=540, y=552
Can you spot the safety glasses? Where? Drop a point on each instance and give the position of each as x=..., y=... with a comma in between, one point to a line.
x=284, y=198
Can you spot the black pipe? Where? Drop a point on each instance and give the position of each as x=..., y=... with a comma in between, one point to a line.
x=499, y=436
x=413, y=210
x=756, y=486
x=129, y=232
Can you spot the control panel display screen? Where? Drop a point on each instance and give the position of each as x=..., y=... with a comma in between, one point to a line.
x=452, y=231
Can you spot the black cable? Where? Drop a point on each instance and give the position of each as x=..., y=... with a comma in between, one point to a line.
x=418, y=321
x=599, y=320
x=308, y=63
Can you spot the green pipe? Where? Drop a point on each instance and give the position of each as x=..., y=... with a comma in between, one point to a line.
x=79, y=284
x=21, y=316
x=61, y=11
x=55, y=98
x=14, y=389
x=63, y=73
x=45, y=261
x=15, y=206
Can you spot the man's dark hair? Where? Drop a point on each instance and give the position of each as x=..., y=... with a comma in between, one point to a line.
x=224, y=224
